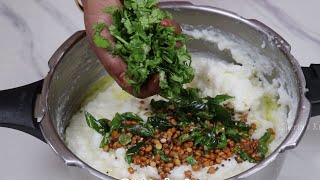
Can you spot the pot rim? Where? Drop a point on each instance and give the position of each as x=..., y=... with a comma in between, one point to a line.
x=291, y=141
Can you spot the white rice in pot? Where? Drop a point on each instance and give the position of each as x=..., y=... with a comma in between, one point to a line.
x=266, y=104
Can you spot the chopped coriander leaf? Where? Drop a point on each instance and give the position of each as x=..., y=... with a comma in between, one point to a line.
x=199, y=140
x=264, y=142
x=110, y=10
x=100, y=41
x=163, y=156
x=244, y=155
x=210, y=142
x=147, y=47
x=222, y=143
x=124, y=139
x=191, y=160
x=183, y=138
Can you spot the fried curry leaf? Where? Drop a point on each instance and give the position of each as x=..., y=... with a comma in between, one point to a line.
x=222, y=114
x=190, y=93
x=116, y=122
x=105, y=123
x=158, y=105
x=205, y=115
x=105, y=140
x=101, y=126
x=193, y=106
x=133, y=150
x=160, y=122
x=145, y=130
x=131, y=117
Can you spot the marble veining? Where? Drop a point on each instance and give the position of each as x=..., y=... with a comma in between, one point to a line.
x=26, y=52
x=56, y=14
x=288, y=22
x=295, y=21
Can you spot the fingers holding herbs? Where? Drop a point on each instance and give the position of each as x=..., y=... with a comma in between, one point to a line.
x=99, y=36
x=141, y=47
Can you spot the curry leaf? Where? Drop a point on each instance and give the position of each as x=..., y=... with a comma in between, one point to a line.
x=158, y=105
x=116, y=122
x=160, y=122
x=105, y=140
x=131, y=117
x=133, y=150
x=190, y=93
x=101, y=126
x=205, y=115
x=145, y=130
x=146, y=46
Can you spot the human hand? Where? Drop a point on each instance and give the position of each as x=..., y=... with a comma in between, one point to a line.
x=114, y=65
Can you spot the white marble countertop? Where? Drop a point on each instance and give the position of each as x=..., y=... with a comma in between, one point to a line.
x=32, y=30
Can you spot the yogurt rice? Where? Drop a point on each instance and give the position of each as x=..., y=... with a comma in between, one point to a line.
x=266, y=103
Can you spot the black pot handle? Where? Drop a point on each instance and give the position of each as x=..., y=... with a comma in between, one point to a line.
x=312, y=75
x=17, y=109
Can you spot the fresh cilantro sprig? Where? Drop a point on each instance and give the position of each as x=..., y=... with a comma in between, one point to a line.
x=147, y=47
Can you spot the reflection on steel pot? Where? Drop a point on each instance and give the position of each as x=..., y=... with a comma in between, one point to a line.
x=74, y=68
